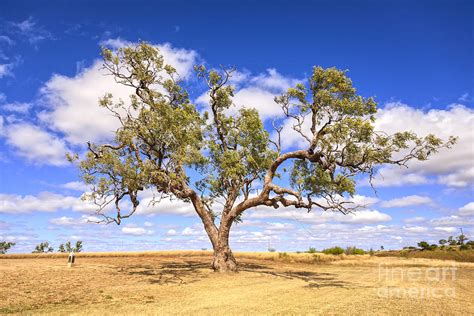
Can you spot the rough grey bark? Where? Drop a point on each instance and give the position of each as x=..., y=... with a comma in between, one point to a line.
x=224, y=260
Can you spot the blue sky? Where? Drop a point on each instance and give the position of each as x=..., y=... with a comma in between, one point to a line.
x=416, y=58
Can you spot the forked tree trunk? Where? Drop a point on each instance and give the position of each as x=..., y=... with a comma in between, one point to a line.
x=224, y=260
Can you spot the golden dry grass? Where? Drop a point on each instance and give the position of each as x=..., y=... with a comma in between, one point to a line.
x=153, y=283
x=442, y=254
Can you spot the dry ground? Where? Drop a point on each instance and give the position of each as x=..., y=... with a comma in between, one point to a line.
x=181, y=282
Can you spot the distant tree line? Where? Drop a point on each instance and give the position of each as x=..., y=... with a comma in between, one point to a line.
x=45, y=247
x=336, y=251
x=460, y=242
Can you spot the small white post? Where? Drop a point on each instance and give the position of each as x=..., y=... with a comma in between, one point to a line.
x=71, y=259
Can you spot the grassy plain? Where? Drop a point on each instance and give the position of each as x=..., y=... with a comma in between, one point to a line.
x=151, y=283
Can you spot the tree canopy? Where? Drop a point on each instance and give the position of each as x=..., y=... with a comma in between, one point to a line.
x=164, y=137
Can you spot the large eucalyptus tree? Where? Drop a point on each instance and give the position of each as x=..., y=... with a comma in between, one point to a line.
x=163, y=137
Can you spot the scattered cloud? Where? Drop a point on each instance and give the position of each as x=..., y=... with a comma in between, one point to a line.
x=6, y=39
x=190, y=231
x=416, y=229
x=314, y=217
x=63, y=221
x=70, y=221
x=411, y=200
x=256, y=92
x=36, y=145
x=43, y=202
x=183, y=60
x=136, y=231
x=73, y=108
x=171, y=232
x=450, y=167
x=30, y=30
x=465, y=97
x=18, y=107
x=453, y=220
x=76, y=186
x=447, y=229
x=151, y=204
x=5, y=70
x=467, y=210
x=416, y=219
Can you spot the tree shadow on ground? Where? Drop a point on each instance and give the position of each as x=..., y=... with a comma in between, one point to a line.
x=181, y=273
x=169, y=273
x=313, y=279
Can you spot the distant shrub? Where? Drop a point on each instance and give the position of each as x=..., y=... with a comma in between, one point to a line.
x=68, y=247
x=43, y=248
x=78, y=247
x=61, y=248
x=452, y=241
x=312, y=250
x=5, y=246
x=426, y=246
x=333, y=251
x=284, y=256
x=271, y=249
x=354, y=251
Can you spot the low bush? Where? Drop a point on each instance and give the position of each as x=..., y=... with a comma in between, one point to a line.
x=333, y=251
x=284, y=256
x=354, y=251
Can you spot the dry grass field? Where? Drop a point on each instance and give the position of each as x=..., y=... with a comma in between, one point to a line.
x=268, y=283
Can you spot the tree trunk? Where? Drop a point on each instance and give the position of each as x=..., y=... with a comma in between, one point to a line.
x=224, y=260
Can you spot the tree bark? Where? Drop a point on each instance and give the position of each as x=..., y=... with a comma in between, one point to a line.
x=224, y=260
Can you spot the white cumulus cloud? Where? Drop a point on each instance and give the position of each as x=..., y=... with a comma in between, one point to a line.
x=411, y=200
x=35, y=144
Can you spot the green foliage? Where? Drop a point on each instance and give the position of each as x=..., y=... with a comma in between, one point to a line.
x=61, y=248
x=43, y=247
x=354, y=251
x=5, y=246
x=343, y=135
x=312, y=250
x=461, y=239
x=333, y=251
x=78, y=247
x=68, y=247
x=452, y=241
x=464, y=247
x=426, y=246
x=163, y=139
